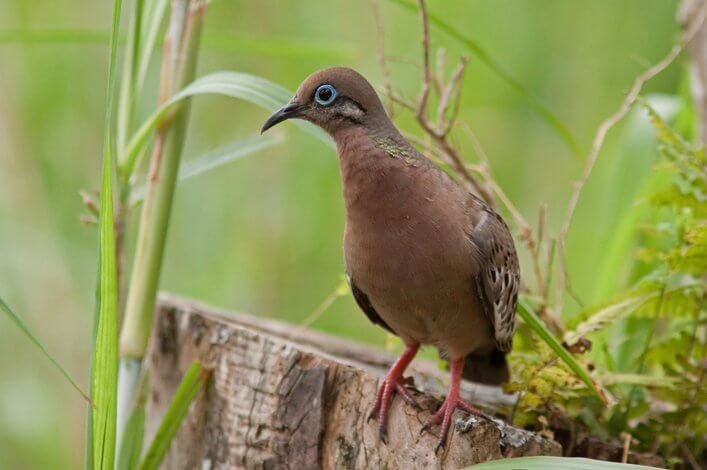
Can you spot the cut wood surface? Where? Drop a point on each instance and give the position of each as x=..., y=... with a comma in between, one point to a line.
x=281, y=397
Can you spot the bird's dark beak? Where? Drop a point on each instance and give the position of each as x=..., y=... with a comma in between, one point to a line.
x=282, y=114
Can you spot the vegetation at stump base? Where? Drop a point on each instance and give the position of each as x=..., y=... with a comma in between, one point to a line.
x=653, y=334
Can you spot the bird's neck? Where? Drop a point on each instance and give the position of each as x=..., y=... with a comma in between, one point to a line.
x=373, y=165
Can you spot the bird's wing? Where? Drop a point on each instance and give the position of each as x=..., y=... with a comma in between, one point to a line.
x=498, y=279
x=365, y=304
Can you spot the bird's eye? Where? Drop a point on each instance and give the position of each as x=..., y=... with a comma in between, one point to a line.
x=325, y=94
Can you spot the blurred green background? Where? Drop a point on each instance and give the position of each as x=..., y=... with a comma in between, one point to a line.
x=263, y=234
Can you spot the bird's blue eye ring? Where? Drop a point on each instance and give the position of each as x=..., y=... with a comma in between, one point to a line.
x=325, y=94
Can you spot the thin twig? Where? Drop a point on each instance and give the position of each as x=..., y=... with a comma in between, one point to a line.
x=626, y=446
x=317, y=312
x=452, y=90
x=525, y=231
x=380, y=56
x=440, y=61
x=450, y=96
x=597, y=144
x=689, y=456
x=425, y=91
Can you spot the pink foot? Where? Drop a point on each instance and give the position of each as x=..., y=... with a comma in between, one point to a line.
x=445, y=413
x=394, y=382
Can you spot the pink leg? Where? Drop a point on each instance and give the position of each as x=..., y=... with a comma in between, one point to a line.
x=393, y=382
x=452, y=402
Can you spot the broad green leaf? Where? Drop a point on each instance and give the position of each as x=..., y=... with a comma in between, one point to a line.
x=537, y=325
x=194, y=378
x=472, y=46
x=25, y=330
x=218, y=157
x=104, y=369
x=256, y=90
x=555, y=463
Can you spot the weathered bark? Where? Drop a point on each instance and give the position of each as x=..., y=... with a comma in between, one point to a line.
x=282, y=398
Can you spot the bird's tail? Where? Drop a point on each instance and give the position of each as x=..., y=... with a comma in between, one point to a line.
x=490, y=368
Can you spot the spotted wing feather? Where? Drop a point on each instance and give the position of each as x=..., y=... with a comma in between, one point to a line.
x=498, y=279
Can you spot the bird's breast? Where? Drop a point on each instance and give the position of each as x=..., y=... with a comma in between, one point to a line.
x=414, y=261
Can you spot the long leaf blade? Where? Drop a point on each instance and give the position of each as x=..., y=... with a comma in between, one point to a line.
x=555, y=463
x=194, y=378
x=537, y=325
x=218, y=157
x=26, y=331
x=250, y=88
x=104, y=383
x=104, y=369
x=134, y=431
x=152, y=21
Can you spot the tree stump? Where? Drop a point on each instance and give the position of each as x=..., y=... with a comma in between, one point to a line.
x=280, y=397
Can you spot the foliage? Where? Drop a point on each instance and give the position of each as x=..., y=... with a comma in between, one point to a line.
x=192, y=381
x=651, y=338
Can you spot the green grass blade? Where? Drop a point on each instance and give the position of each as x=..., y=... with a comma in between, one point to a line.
x=151, y=25
x=23, y=328
x=218, y=157
x=134, y=431
x=104, y=382
x=104, y=369
x=131, y=447
x=537, y=325
x=555, y=463
x=256, y=90
x=194, y=378
x=480, y=53
x=128, y=85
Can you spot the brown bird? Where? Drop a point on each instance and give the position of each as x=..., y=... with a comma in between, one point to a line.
x=426, y=259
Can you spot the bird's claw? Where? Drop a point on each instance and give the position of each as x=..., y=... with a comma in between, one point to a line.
x=425, y=428
x=383, y=435
x=443, y=416
x=405, y=393
x=383, y=399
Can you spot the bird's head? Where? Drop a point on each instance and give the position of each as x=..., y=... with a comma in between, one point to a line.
x=335, y=99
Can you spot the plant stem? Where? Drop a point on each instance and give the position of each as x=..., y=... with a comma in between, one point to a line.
x=128, y=86
x=178, y=69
